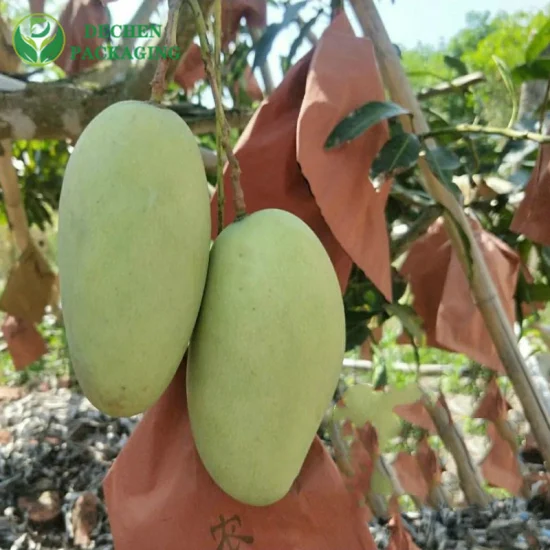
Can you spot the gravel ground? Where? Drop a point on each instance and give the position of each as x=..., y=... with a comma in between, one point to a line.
x=55, y=449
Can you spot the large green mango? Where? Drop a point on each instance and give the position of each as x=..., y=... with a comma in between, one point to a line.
x=134, y=242
x=265, y=356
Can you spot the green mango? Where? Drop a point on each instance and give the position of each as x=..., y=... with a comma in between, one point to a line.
x=133, y=250
x=265, y=356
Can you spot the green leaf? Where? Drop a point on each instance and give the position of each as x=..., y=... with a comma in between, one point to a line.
x=299, y=40
x=538, y=43
x=537, y=70
x=456, y=64
x=380, y=376
x=506, y=76
x=538, y=292
x=443, y=162
x=411, y=322
x=399, y=153
x=265, y=43
x=25, y=47
x=362, y=404
x=292, y=12
x=53, y=48
x=361, y=119
x=445, y=158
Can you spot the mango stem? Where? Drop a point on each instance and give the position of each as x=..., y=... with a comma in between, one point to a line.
x=211, y=62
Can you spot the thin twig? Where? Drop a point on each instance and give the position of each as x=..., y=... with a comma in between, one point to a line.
x=544, y=106
x=491, y=130
x=219, y=126
x=158, y=84
x=206, y=52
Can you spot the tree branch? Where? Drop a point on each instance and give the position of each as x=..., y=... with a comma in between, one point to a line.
x=54, y=110
x=458, y=84
x=490, y=130
x=17, y=216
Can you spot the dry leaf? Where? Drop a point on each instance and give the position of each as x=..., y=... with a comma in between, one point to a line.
x=362, y=465
x=84, y=518
x=429, y=463
x=8, y=393
x=369, y=439
x=253, y=11
x=25, y=343
x=416, y=414
x=531, y=218
x=45, y=508
x=365, y=351
x=191, y=68
x=30, y=286
x=410, y=475
x=400, y=539
x=493, y=406
x=442, y=294
x=5, y=437
x=339, y=178
x=500, y=467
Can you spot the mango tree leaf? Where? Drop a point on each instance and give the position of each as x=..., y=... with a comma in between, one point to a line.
x=265, y=43
x=538, y=292
x=380, y=376
x=411, y=322
x=538, y=43
x=361, y=119
x=362, y=404
x=537, y=70
x=506, y=76
x=292, y=12
x=53, y=48
x=446, y=159
x=456, y=64
x=299, y=40
x=26, y=47
x=442, y=165
x=399, y=153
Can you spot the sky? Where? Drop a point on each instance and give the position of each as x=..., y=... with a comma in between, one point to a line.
x=439, y=20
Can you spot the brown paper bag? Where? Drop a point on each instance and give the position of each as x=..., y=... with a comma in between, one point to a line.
x=531, y=218
x=30, y=287
x=339, y=178
x=25, y=343
x=442, y=295
x=159, y=495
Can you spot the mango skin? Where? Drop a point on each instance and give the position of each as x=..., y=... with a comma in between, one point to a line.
x=134, y=242
x=265, y=356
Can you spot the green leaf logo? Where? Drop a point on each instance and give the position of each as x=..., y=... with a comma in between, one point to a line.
x=38, y=39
